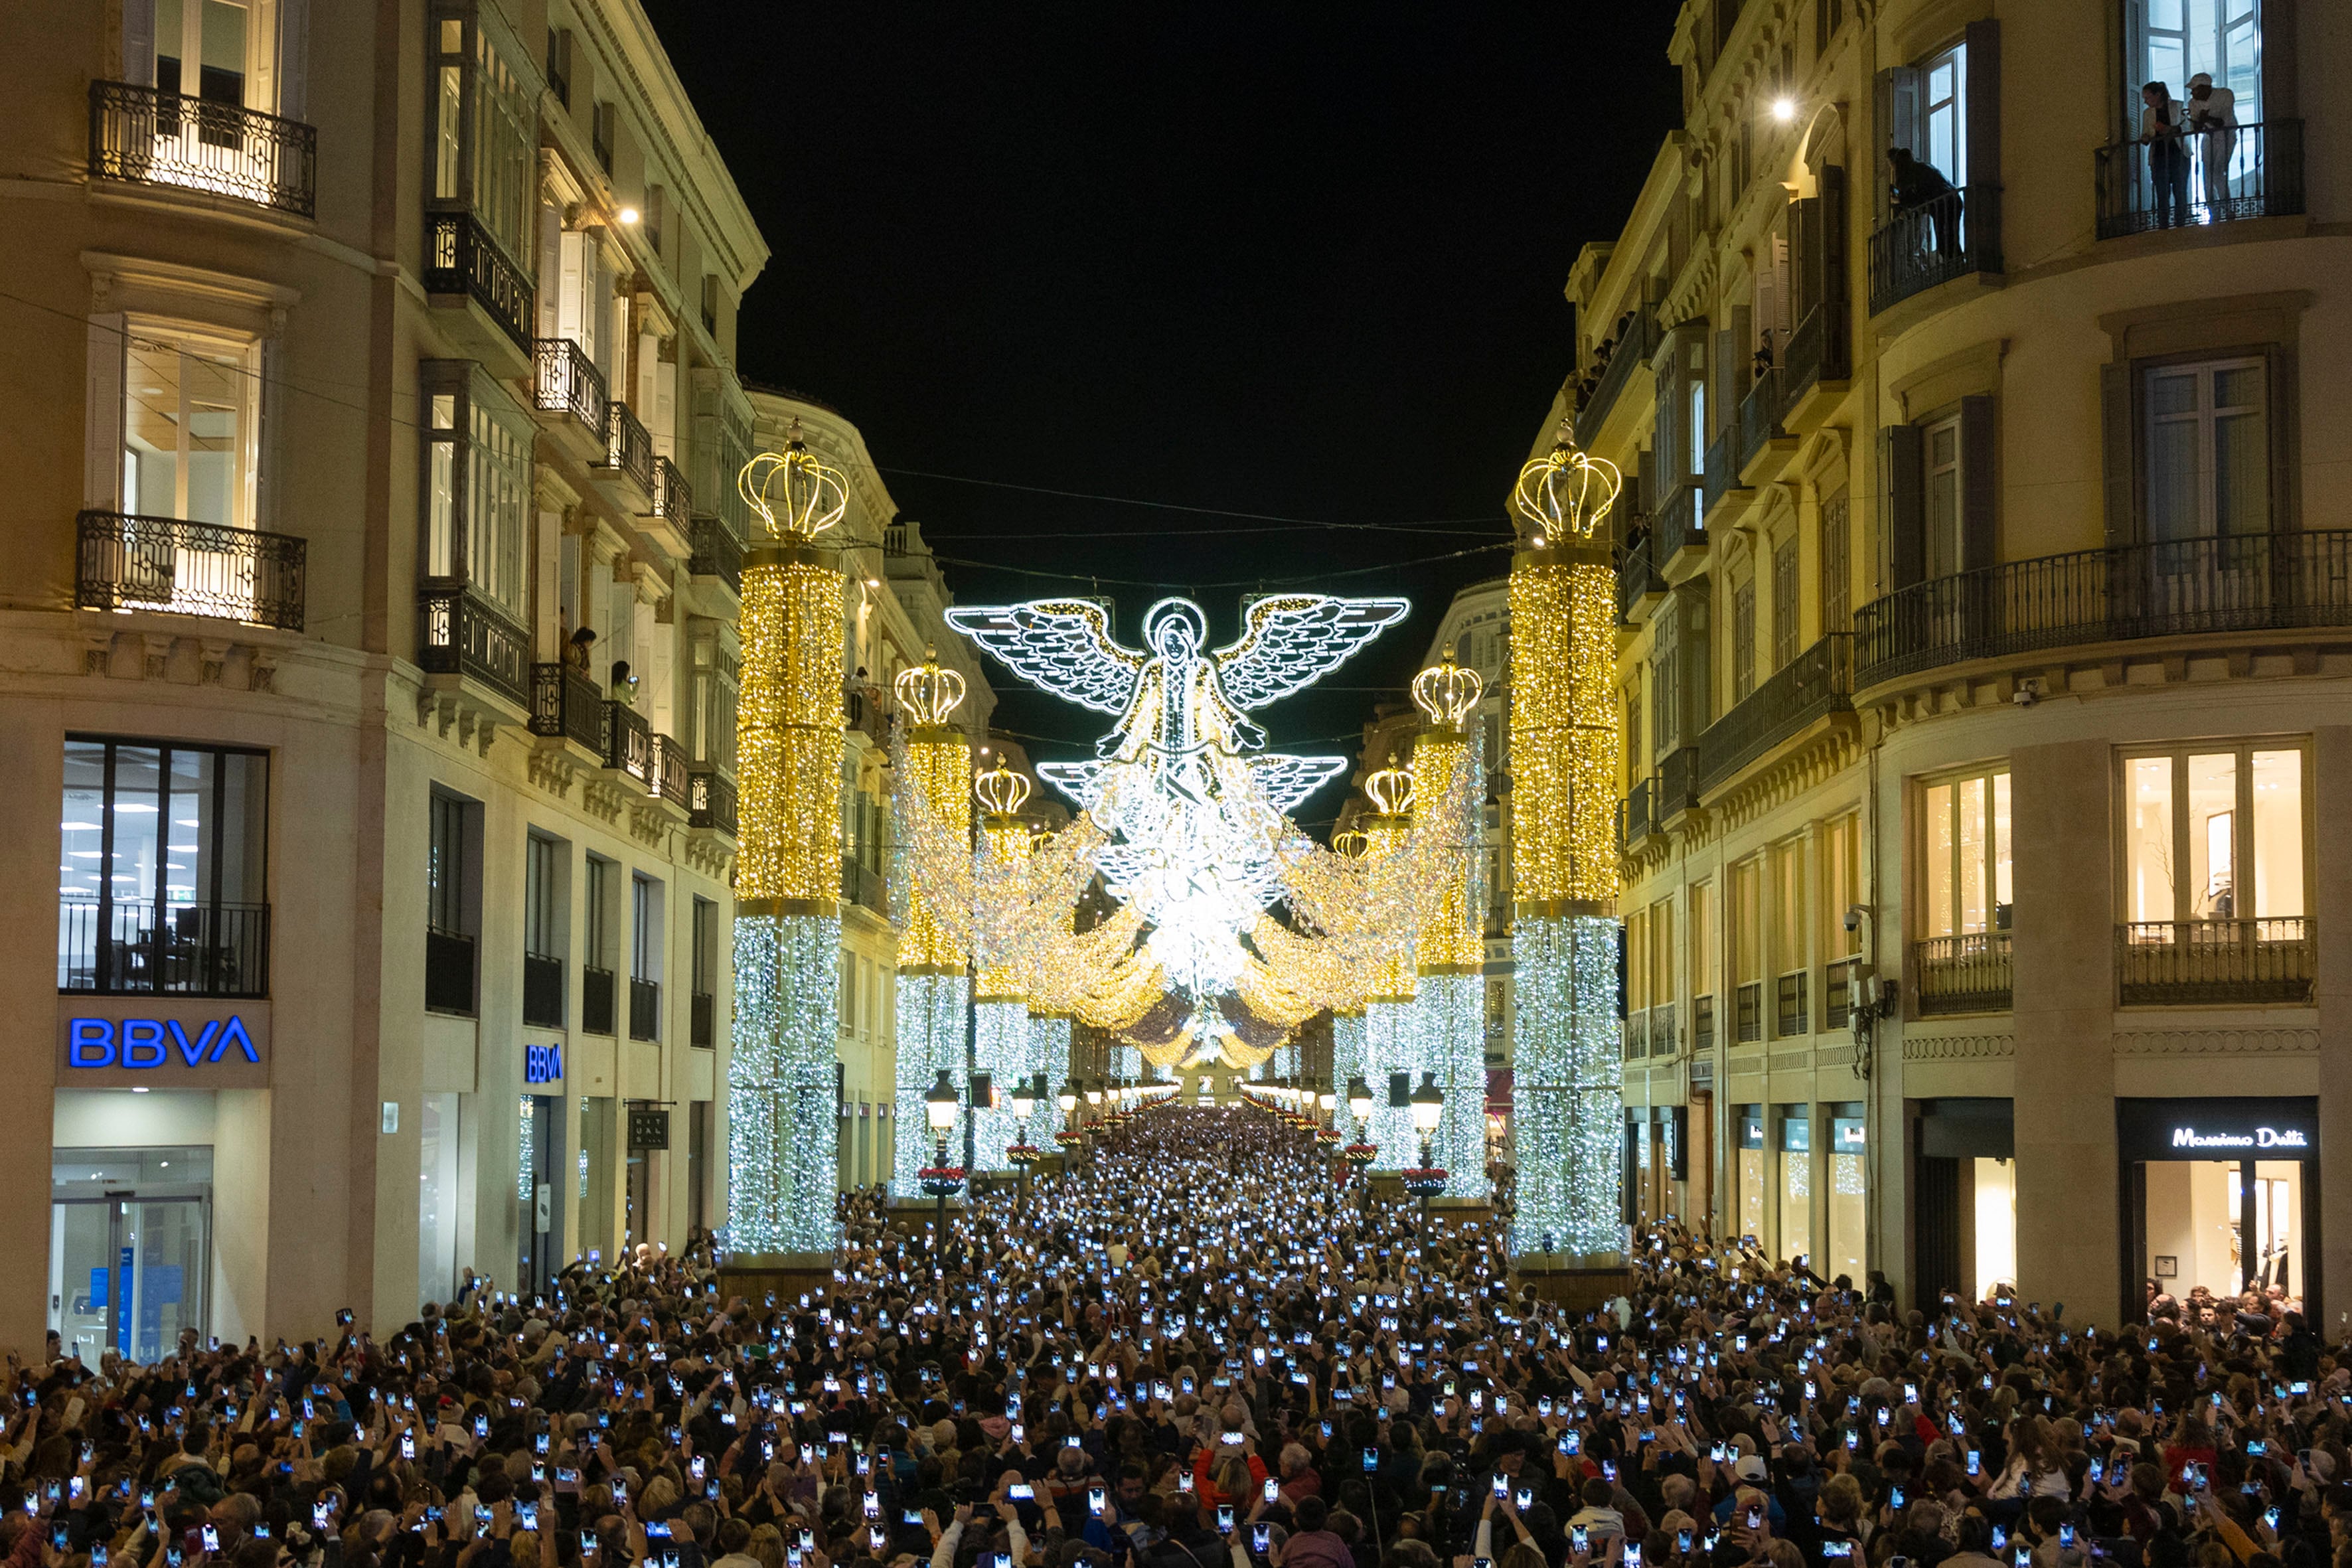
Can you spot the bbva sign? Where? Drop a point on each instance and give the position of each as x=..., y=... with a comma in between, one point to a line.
x=153, y=1042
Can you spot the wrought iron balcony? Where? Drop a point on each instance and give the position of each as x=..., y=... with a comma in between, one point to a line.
x=2217, y=176
x=864, y=711
x=673, y=498
x=1636, y=1035
x=1640, y=340
x=1817, y=681
x=460, y=257
x=1837, y=993
x=542, y=991
x=145, y=136
x=1637, y=823
x=1638, y=582
x=710, y=800
x=1664, y=1041
x=124, y=561
x=1950, y=236
x=460, y=633
x=644, y=1009
x=716, y=552
x=628, y=745
x=1749, y=1002
x=1818, y=352
x=2223, y=583
x=2202, y=963
x=136, y=947
x=1759, y=417
x=1702, y=1024
x=570, y=383
x=1722, y=473
x=596, y=993
x=703, y=1020
x=1675, y=787
x=1679, y=524
x=670, y=773
x=863, y=885
x=566, y=702
x=1964, y=973
x=1791, y=1017
x=629, y=447
x=449, y=971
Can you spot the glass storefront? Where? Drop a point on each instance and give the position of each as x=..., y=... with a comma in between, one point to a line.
x=2223, y=1192
x=1964, y=1199
x=130, y=1250
x=1849, y=1214
x=1796, y=1182
x=1749, y=1181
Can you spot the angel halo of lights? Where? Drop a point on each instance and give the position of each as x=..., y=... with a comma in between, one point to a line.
x=1233, y=926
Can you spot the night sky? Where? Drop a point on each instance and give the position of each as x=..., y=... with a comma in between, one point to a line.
x=1297, y=261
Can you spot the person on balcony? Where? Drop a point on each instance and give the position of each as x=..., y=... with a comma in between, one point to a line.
x=2161, y=127
x=625, y=684
x=1916, y=186
x=2213, y=119
x=575, y=650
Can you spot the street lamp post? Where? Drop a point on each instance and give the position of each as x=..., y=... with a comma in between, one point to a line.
x=940, y=1103
x=1428, y=1110
x=1024, y=1101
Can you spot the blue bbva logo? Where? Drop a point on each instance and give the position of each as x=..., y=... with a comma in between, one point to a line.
x=542, y=1064
x=152, y=1042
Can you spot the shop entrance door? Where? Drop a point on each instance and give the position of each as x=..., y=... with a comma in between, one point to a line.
x=130, y=1274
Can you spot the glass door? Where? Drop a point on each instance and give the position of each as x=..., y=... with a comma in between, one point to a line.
x=129, y=1273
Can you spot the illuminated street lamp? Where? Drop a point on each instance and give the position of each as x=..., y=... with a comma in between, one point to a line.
x=1428, y=1109
x=942, y=1181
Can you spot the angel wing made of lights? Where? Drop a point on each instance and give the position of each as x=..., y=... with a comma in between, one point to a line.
x=1285, y=780
x=1060, y=646
x=1289, y=641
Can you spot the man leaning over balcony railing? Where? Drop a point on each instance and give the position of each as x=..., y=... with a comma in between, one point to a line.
x=1915, y=187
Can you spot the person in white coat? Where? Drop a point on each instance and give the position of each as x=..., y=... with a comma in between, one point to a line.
x=2213, y=126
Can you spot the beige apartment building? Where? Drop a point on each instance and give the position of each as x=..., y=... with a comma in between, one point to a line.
x=372, y=658
x=1985, y=678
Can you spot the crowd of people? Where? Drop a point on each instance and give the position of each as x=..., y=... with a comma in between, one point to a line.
x=1199, y=1348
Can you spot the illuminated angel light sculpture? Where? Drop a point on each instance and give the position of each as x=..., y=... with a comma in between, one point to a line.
x=1192, y=803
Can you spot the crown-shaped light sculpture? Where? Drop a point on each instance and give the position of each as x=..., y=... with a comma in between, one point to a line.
x=1564, y=494
x=797, y=496
x=1447, y=691
x=1350, y=842
x=1390, y=790
x=1001, y=791
x=928, y=691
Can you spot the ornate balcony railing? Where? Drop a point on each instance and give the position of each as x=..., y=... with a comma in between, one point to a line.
x=1948, y=237
x=569, y=383
x=1722, y=475
x=2216, y=176
x=460, y=257
x=1759, y=417
x=1636, y=1029
x=716, y=552
x=1819, y=680
x=628, y=745
x=1637, y=821
x=124, y=561
x=670, y=773
x=1664, y=1039
x=1749, y=1004
x=1818, y=352
x=146, y=136
x=458, y=633
x=137, y=947
x=565, y=701
x=2202, y=963
x=864, y=886
x=1637, y=574
x=1676, y=779
x=1640, y=342
x=865, y=711
x=1837, y=993
x=1702, y=1023
x=628, y=446
x=1964, y=973
x=2225, y=582
x=710, y=800
x=673, y=496
x=1679, y=524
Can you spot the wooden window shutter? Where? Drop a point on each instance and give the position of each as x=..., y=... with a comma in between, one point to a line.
x=1983, y=128
x=102, y=418
x=1665, y=437
x=138, y=42
x=1807, y=238
x=1833, y=228
x=1903, y=502
x=1644, y=498
x=1980, y=483
x=2119, y=469
x=1897, y=94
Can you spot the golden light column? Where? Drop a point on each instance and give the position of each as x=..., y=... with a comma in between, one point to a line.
x=1388, y=1003
x=934, y=984
x=1348, y=1027
x=1568, y=1091
x=1000, y=1029
x=1448, y=1036
x=781, y=1128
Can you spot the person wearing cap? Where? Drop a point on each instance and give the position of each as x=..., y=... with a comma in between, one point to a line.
x=2213, y=121
x=1752, y=1474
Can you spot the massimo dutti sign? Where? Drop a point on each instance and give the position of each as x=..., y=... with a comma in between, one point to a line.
x=2222, y=1128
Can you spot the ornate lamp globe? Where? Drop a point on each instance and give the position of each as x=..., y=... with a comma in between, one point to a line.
x=940, y=1103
